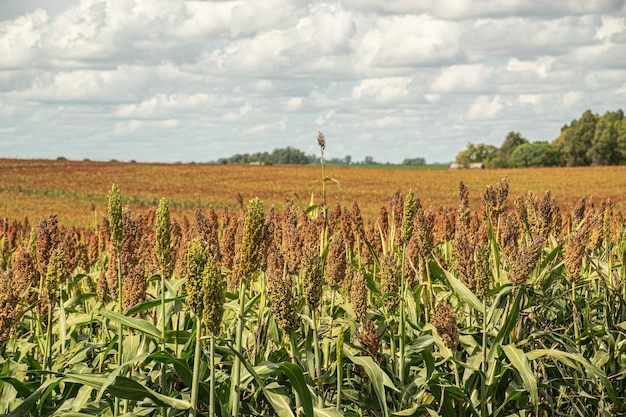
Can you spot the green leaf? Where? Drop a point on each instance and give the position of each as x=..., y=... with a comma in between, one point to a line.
x=327, y=412
x=151, y=304
x=415, y=410
x=520, y=362
x=30, y=402
x=464, y=293
x=379, y=378
x=181, y=367
x=22, y=390
x=296, y=377
x=513, y=396
x=279, y=400
x=130, y=389
x=508, y=323
x=567, y=358
x=133, y=323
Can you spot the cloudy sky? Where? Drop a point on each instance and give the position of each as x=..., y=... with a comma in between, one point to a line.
x=200, y=80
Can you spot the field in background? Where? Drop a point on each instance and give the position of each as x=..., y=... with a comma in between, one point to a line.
x=77, y=190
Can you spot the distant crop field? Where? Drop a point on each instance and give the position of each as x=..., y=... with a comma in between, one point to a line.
x=77, y=190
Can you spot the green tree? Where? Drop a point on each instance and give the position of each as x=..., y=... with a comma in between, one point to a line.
x=604, y=149
x=414, y=161
x=476, y=153
x=577, y=140
x=511, y=142
x=621, y=139
x=537, y=154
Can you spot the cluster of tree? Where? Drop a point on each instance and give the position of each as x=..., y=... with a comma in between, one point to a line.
x=590, y=140
x=279, y=156
x=293, y=156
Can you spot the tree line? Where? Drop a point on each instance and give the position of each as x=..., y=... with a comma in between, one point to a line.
x=294, y=156
x=589, y=140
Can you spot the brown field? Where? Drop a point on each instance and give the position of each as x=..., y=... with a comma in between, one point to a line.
x=77, y=190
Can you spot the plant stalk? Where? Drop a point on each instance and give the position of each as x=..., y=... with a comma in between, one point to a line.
x=196, y=370
x=236, y=371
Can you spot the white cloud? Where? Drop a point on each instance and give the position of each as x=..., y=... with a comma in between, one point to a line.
x=382, y=90
x=485, y=108
x=173, y=79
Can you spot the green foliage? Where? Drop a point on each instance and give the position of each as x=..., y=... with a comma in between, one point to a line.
x=414, y=161
x=604, y=149
x=476, y=153
x=538, y=154
x=577, y=140
x=511, y=142
x=279, y=156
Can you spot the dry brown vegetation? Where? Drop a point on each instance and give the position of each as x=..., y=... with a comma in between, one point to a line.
x=75, y=189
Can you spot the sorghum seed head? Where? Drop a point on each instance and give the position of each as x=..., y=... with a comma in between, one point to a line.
x=196, y=261
x=9, y=301
x=574, y=253
x=312, y=276
x=115, y=215
x=444, y=321
x=408, y=216
x=370, y=340
x=357, y=220
x=526, y=261
x=251, y=239
x=280, y=286
x=163, y=233
x=213, y=297
x=463, y=250
x=482, y=272
x=336, y=262
x=55, y=274
x=390, y=280
x=358, y=294
x=134, y=287
x=103, y=288
x=321, y=140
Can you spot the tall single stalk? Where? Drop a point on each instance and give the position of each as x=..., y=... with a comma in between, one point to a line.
x=575, y=312
x=212, y=377
x=402, y=316
x=236, y=371
x=163, y=243
x=317, y=359
x=196, y=370
x=483, y=364
x=339, y=368
x=120, y=338
x=117, y=236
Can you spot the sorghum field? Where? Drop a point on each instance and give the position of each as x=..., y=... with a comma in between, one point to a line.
x=230, y=291
x=77, y=190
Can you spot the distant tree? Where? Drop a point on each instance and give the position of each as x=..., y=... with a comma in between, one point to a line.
x=621, y=139
x=414, y=161
x=512, y=141
x=577, y=140
x=537, y=154
x=604, y=149
x=368, y=160
x=288, y=155
x=347, y=159
x=476, y=153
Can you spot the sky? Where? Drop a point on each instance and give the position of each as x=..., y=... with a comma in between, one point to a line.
x=183, y=81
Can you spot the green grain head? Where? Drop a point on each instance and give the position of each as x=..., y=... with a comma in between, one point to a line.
x=115, y=215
